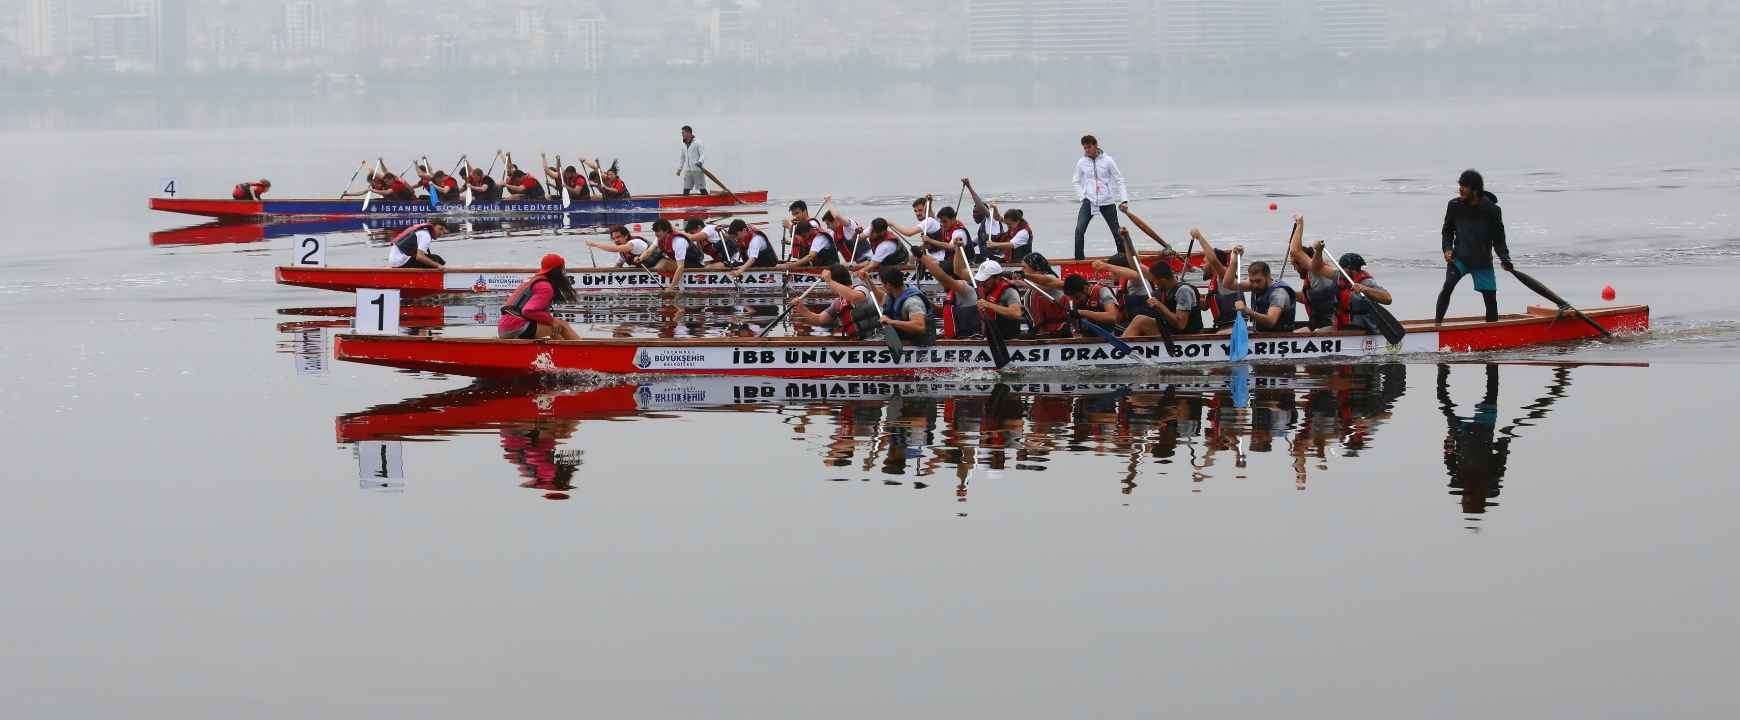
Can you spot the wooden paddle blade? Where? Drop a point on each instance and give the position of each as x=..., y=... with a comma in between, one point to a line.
x=994, y=338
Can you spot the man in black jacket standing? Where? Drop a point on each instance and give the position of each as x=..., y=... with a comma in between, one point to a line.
x=1473, y=231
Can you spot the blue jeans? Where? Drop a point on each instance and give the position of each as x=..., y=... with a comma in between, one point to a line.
x=1109, y=212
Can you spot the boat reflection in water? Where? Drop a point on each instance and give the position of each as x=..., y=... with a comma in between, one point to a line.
x=924, y=433
x=380, y=230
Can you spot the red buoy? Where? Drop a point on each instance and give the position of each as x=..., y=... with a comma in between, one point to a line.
x=1608, y=294
x=1273, y=207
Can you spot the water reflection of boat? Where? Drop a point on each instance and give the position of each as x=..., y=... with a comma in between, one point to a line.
x=636, y=310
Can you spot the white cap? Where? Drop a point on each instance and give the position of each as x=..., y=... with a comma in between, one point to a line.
x=987, y=269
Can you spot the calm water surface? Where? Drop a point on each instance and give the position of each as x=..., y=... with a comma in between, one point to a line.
x=210, y=518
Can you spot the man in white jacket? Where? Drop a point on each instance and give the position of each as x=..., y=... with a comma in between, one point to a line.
x=1097, y=183
x=693, y=159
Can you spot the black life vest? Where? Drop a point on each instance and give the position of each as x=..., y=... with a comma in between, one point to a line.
x=768, y=257
x=892, y=309
x=899, y=257
x=1225, y=304
x=825, y=257
x=1194, y=323
x=1260, y=304
x=857, y=320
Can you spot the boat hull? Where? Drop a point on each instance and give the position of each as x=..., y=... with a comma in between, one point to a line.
x=414, y=283
x=350, y=207
x=829, y=357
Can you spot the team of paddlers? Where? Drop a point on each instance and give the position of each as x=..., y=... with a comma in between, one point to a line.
x=989, y=274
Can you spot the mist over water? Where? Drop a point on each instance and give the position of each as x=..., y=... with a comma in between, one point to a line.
x=195, y=530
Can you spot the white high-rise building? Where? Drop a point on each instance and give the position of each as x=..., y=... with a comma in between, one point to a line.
x=1218, y=30
x=44, y=31
x=1353, y=26
x=303, y=31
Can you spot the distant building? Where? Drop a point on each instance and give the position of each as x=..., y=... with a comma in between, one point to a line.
x=1038, y=30
x=1349, y=27
x=584, y=39
x=303, y=32
x=1217, y=30
x=123, y=39
x=44, y=30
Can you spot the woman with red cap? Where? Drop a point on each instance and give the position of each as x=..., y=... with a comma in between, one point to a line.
x=527, y=313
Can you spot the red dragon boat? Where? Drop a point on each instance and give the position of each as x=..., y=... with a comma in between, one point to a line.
x=817, y=356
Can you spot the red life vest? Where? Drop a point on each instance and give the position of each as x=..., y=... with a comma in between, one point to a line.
x=992, y=291
x=247, y=191
x=1343, y=319
x=800, y=244
x=1092, y=303
x=1048, y=315
x=716, y=251
x=667, y=246
x=1015, y=253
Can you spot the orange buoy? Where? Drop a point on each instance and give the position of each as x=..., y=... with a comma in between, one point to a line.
x=1608, y=294
x=1273, y=207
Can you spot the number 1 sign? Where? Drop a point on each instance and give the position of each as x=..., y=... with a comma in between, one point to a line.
x=377, y=312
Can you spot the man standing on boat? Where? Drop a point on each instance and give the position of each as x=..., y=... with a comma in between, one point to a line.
x=689, y=169
x=1098, y=182
x=1473, y=231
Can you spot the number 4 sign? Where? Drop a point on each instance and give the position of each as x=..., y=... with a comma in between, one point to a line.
x=377, y=312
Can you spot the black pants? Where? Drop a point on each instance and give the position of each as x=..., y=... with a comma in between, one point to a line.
x=1451, y=277
x=1109, y=212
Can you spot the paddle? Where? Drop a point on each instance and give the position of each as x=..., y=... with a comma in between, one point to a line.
x=721, y=184
x=434, y=192
x=890, y=336
x=800, y=298
x=1165, y=329
x=353, y=175
x=466, y=194
x=1239, y=345
x=1116, y=342
x=1388, y=325
x=993, y=334
x=1547, y=293
x=563, y=182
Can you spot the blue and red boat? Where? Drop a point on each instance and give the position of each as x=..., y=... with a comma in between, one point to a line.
x=226, y=209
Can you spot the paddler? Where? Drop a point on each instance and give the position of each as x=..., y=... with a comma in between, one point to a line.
x=443, y=186
x=1179, y=306
x=886, y=250
x=1047, y=315
x=389, y=186
x=1214, y=265
x=483, y=187
x=987, y=223
x=1473, y=231
x=753, y=246
x=999, y=300
x=527, y=313
x=811, y=246
x=941, y=234
x=411, y=248
x=904, y=308
x=1353, y=312
x=251, y=190
x=628, y=248
x=1272, y=305
x=960, y=311
x=575, y=181
x=847, y=232
x=674, y=252
x=522, y=186
x=1317, y=290
x=610, y=184
x=1018, y=239
x=853, y=314
x=1093, y=302
x=719, y=252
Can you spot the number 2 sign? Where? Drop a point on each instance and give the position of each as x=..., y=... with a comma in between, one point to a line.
x=310, y=252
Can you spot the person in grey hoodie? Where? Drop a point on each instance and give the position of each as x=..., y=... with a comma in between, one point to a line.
x=1473, y=231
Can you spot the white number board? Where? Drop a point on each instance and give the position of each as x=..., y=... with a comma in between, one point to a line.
x=311, y=352
x=310, y=252
x=381, y=466
x=377, y=312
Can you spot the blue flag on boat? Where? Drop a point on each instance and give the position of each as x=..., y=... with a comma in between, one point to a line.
x=1240, y=344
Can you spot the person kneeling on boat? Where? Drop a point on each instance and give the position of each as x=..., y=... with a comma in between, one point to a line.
x=852, y=315
x=960, y=311
x=390, y=188
x=251, y=190
x=886, y=250
x=752, y=245
x=673, y=253
x=527, y=313
x=811, y=246
x=1272, y=306
x=904, y=308
x=719, y=254
x=1179, y=307
x=999, y=300
x=1047, y=316
x=628, y=248
x=1353, y=312
x=578, y=187
x=483, y=187
x=410, y=248
x=444, y=187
